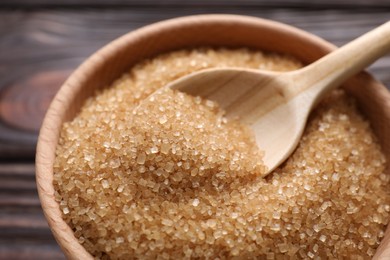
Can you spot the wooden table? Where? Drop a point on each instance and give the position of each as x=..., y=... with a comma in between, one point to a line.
x=42, y=41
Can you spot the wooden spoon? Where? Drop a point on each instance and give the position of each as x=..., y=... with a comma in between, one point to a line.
x=276, y=105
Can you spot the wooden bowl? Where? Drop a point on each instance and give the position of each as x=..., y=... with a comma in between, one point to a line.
x=205, y=30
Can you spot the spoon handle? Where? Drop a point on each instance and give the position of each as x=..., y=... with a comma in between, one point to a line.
x=333, y=69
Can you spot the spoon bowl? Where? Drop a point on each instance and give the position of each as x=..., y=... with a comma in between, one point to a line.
x=276, y=105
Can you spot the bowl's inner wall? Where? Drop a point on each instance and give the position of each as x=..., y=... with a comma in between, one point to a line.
x=111, y=62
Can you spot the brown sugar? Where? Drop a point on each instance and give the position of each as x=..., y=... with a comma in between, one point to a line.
x=174, y=179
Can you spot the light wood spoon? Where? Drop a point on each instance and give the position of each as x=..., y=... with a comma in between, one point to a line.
x=276, y=105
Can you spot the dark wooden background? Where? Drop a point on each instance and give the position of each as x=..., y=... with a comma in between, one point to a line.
x=42, y=41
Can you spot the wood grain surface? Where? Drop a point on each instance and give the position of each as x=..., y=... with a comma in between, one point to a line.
x=202, y=3
x=42, y=41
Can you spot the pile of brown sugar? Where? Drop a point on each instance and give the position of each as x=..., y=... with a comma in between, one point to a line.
x=174, y=179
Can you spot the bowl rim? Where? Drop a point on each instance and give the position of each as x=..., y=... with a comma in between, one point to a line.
x=51, y=127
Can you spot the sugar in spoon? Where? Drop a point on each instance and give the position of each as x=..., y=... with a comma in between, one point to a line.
x=276, y=105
